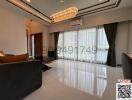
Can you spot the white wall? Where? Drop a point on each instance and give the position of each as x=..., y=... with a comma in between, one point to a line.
x=12, y=32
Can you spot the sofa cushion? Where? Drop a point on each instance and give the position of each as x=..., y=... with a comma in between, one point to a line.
x=2, y=53
x=16, y=58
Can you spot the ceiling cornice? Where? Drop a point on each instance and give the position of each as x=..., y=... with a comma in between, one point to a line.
x=35, y=8
x=104, y=2
x=100, y=9
x=80, y=14
x=31, y=12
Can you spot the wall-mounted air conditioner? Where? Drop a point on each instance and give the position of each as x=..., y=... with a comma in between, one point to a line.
x=76, y=22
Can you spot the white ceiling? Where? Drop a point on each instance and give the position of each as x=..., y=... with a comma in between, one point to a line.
x=49, y=7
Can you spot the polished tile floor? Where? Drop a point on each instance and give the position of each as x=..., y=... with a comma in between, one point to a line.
x=73, y=80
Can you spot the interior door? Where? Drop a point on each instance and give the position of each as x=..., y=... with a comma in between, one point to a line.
x=37, y=46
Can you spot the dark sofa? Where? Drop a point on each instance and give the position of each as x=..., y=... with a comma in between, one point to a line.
x=17, y=80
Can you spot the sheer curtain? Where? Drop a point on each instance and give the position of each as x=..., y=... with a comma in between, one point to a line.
x=87, y=44
x=70, y=45
x=60, y=45
x=84, y=45
x=102, y=46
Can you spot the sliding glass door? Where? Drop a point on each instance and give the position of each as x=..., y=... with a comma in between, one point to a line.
x=84, y=45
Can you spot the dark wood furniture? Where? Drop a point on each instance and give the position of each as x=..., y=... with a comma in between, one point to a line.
x=127, y=66
x=50, y=58
x=51, y=54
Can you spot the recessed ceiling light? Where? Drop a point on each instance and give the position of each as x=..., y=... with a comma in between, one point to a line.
x=29, y=1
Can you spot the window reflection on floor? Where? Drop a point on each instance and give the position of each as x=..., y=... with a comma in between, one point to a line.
x=89, y=78
x=101, y=85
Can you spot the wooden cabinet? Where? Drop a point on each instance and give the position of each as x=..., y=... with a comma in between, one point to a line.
x=127, y=66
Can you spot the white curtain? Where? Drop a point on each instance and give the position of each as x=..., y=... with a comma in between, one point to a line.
x=70, y=44
x=102, y=46
x=84, y=45
x=60, y=45
x=87, y=44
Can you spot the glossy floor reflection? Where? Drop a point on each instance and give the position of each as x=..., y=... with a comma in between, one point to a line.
x=74, y=80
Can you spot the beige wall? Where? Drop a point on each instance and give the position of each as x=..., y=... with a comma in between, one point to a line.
x=51, y=42
x=130, y=37
x=123, y=39
x=12, y=32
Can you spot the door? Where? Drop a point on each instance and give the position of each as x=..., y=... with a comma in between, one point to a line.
x=37, y=46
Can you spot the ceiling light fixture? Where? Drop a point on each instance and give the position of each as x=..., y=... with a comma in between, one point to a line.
x=64, y=14
x=30, y=10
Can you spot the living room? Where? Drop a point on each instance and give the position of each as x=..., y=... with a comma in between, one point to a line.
x=79, y=56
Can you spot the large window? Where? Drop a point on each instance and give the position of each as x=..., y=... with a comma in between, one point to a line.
x=84, y=45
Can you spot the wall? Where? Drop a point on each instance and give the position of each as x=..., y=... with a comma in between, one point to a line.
x=51, y=42
x=12, y=32
x=34, y=28
x=123, y=39
x=130, y=37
